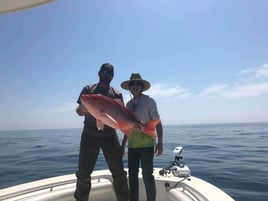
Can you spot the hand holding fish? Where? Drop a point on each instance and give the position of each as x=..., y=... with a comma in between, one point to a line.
x=81, y=110
x=139, y=126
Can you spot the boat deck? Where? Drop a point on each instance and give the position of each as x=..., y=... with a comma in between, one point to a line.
x=169, y=188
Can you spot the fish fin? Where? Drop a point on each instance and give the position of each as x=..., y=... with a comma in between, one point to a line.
x=110, y=117
x=149, y=127
x=129, y=112
x=110, y=120
x=100, y=124
x=119, y=101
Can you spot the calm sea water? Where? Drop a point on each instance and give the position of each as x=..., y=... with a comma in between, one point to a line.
x=233, y=157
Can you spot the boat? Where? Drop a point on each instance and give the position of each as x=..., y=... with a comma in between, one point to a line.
x=173, y=183
x=8, y=6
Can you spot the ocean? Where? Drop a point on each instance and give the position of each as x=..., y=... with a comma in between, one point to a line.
x=234, y=157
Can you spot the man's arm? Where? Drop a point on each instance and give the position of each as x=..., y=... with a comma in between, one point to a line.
x=123, y=145
x=159, y=145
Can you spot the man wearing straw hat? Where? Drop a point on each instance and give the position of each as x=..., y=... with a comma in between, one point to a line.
x=141, y=146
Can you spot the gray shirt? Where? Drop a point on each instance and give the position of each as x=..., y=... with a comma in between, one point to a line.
x=145, y=108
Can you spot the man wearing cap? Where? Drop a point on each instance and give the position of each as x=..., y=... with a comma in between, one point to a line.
x=141, y=146
x=94, y=139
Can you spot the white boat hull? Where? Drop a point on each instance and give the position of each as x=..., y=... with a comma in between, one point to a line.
x=61, y=188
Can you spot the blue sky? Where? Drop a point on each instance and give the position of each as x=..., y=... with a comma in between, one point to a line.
x=207, y=61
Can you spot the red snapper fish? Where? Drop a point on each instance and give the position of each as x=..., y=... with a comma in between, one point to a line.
x=113, y=113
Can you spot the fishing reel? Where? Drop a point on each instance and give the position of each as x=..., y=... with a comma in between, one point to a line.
x=177, y=167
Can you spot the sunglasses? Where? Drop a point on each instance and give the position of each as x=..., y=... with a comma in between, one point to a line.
x=107, y=72
x=135, y=84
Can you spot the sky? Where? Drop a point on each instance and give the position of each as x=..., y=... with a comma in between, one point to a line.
x=207, y=61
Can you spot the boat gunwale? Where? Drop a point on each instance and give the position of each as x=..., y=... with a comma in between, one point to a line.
x=45, y=184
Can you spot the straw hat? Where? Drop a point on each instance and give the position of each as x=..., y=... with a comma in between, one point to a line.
x=135, y=77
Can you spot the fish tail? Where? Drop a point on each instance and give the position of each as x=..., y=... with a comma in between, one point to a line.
x=149, y=127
